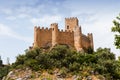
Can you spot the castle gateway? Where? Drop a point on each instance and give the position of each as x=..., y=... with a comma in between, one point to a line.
x=72, y=36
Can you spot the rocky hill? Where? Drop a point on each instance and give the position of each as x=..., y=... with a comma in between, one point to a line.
x=64, y=63
x=28, y=74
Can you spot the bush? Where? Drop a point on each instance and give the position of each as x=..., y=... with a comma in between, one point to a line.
x=4, y=71
x=74, y=67
x=63, y=72
x=20, y=59
x=1, y=63
x=32, y=63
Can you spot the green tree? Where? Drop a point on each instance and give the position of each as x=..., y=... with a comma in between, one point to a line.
x=104, y=54
x=0, y=61
x=116, y=29
x=4, y=71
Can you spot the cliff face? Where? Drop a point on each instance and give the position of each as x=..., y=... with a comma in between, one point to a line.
x=27, y=74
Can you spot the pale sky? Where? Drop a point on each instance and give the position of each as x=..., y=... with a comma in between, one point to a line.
x=18, y=18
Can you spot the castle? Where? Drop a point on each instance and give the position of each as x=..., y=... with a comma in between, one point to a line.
x=72, y=36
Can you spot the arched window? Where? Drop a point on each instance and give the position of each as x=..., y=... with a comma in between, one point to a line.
x=67, y=27
x=53, y=29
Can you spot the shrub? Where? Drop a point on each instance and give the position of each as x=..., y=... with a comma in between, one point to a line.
x=4, y=71
x=32, y=63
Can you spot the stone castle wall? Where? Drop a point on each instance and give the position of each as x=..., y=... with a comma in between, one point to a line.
x=72, y=36
x=85, y=41
x=42, y=37
x=66, y=37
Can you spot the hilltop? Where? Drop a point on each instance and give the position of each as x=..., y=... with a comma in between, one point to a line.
x=63, y=62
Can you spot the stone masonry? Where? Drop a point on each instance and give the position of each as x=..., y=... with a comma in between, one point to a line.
x=72, y=36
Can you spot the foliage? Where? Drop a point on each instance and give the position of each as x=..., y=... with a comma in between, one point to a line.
x=116, y=29
x=69, y=61
x=4, y=71
x=1, y=63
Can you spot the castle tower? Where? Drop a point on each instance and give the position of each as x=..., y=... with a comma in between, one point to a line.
x=35, y=37
x=70, y=23
x=78, y=38
x=54, y=27
x=90, y=36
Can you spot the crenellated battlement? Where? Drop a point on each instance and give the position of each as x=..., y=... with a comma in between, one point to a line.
x=65, y=31
x=42, y=28
x=72, y=35
x=48, y=29
x=89, y=34
x=54, y=24
x=85, y=37
x=71, y=19
x=61, y=30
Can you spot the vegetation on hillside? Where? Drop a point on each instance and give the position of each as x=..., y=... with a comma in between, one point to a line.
x=69, y=61
x=116, y=29
x=3, y=69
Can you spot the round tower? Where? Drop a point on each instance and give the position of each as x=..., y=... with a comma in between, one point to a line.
x=35, y=37
x=54, y=27
x=90, y=36
x=78, y=38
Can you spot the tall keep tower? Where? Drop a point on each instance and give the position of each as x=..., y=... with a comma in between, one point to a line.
x=78, y=38
x=70, y=23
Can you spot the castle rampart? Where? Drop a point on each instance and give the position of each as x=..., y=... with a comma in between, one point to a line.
x=64, y=36
x=42, y=36
x=71, y=36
